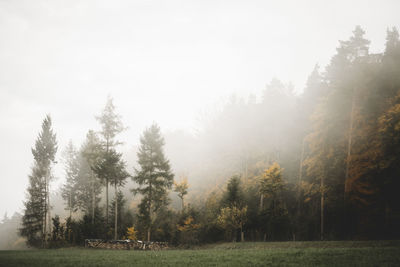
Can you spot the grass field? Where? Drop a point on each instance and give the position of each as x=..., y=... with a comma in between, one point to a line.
x=352, y=253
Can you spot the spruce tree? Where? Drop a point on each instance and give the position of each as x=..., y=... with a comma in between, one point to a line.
x=154, y=175
x=68, y=191
x=111, y=126
x=112, y=168
x=233, y=195
x=36, y=219
x=89, y=184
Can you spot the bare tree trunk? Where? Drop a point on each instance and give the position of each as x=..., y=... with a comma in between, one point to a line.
x=107, y=148
x=70, y=204
x=322, y=207
x=246, y=165
x=116, y=212
x=301, y=160
x=150, y=200
x=107, y=201
x=45, y=213
x=241, y=234
x=48, y=206
x=93, y=196
x=298, y=213
x=346, y=181
x=348, y=159
x=262, y=195
x=150, y=211
x=150, y=218
x=183, y=205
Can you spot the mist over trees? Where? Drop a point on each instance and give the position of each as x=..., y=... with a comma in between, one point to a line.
x=322, y=165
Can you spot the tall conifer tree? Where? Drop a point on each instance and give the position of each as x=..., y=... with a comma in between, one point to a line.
x=111, y=126
x=89, y=184
x=154, y=175
x=69, y=189
x=36, y=219
x=113, y=169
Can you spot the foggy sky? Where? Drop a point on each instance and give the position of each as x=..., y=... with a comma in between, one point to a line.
x=162, y=61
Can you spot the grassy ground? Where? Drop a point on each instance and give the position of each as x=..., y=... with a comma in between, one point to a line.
x=370, y=253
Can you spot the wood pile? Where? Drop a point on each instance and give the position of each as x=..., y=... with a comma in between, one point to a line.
x=125, y=244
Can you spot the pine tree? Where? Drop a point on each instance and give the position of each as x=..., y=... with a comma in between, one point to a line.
x=314, y=92
x=154, y=176
x=89, y=184
x=69, y=190
x=111, y=126
x=36, y=219
x=233, y=200
x=233, y=195
x=34, y=214
x=112, y=168
x=331, y=140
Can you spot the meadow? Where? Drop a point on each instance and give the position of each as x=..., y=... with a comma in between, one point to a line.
x=329, y=253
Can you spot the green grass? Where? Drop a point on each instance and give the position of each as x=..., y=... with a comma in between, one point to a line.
x=369, y=253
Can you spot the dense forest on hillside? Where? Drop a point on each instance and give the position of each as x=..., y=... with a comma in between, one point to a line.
x=322, y=165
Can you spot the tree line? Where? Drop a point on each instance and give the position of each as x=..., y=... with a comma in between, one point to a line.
x=96, y=165
x=320, y=165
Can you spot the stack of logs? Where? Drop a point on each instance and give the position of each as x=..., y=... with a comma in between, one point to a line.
x=125, y=244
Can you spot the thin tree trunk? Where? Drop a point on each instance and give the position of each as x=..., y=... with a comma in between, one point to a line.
x=45, y=213
x=183, y=206
x=107, y=148
x=70, y=204
x=150, y=218
x=107, y=201
x=241, y=234
x=48, y=206
x=93, y=196
x=262, y=196
x=150, y=209
x=301, y=160
x=298, y=213
x=246, y=165
x=348, y=158
x=70, y=214
x=322, y=207
x=116, y=212
x=349, y=143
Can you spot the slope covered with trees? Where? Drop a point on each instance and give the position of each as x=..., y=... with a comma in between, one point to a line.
x=321, y=165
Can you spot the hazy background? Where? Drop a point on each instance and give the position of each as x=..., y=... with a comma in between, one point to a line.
x=162, y=61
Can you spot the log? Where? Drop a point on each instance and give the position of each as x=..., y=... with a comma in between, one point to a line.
x=125, y=244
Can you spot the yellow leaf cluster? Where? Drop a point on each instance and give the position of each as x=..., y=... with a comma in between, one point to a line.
x=188, y=225
x=181, y=187
x=131, y=233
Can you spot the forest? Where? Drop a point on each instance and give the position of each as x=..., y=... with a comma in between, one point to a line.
x=320, y=165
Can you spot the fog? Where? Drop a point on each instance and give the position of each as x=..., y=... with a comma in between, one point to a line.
x=177, y=63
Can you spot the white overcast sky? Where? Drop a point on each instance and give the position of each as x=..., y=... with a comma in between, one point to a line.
x=162, y=61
